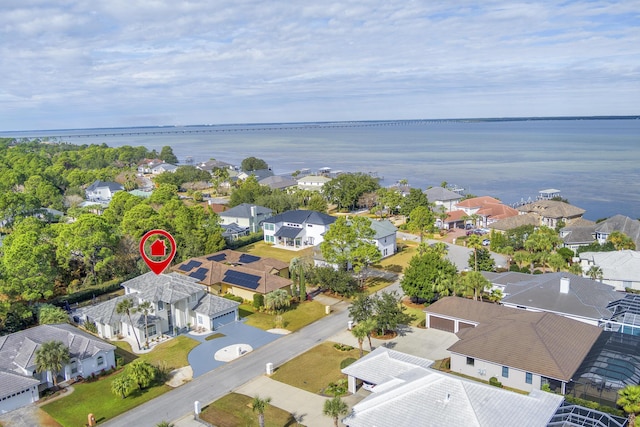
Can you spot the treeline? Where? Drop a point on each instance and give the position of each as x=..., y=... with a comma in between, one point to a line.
x=41, y=259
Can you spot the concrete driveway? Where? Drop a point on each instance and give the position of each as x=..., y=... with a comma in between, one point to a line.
x=201, y=358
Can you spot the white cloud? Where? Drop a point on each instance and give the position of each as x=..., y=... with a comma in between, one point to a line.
x=77, y=64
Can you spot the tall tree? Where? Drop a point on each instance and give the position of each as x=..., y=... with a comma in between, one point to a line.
x=334, y=408
x=52, y=356
x=474, y=243
x=253, y=164
x=346, y=189
x=629, y=400
x=146, y=308
x=166, y=155
x=362, y=308
x=475, y=283
x=259, y=406
x=126, y=307
x=359, y=333
x=421, y=219
x=412, y=200
x=426, y=270
x=277, y=300
x=390, y=312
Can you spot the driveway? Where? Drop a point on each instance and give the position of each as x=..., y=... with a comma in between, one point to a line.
x=201, y=358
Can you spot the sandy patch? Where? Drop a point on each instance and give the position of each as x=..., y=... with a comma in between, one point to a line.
x=177, y=377
x=232, y=352
x=279, y=331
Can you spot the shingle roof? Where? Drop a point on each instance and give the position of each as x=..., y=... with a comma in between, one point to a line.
x=243, y=210
x=624, y=224
x=211, y=305
x=586, y=298
x=464, y=308
x=302, y=216
x=515, y=222
x=616, y=265
x=552, y=209
x=113, y=186
x=382, y=228
x=13, y=383
x=169, y=288
x=441, y=194
x=278, y=182
x=578, y=235
x=543, y=343
x=18, y=349
x=432, y=398
x=476, y=202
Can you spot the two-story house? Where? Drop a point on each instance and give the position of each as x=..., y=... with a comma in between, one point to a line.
x=101, y=191
x=296, y=229
x=246, y=215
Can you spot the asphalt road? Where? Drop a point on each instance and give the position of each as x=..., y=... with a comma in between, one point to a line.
x=215, y=384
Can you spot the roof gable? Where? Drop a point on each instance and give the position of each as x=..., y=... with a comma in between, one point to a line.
x=302, y=216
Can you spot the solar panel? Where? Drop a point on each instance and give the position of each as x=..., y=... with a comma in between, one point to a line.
x=243, y=280
x=190, y=265
x=247, y=259
x=217, y=257
x=200, y=273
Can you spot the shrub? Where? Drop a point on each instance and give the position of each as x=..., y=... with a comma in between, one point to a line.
x=494, y=382
x=258, y=301
x=346, y=362
x=342, y=347
x=337, y=388
x=234, y=298
x=91, y=327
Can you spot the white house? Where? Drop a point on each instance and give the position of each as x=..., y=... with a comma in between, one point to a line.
x=625, y=225
x=620, y=269
x=521, y=349
x=246, y=215
x=101, y=191
x=385, y=237
x=19, y=380
x=296, y=229
x=443, y=197
x=164, y=167
x=313, y=182
x=178, y=302
x=407, y=393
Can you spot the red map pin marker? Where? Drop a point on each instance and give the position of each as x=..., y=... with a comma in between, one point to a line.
x=158, y=249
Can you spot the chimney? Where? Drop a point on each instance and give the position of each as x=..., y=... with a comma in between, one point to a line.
x=564, y=285
x=254, y=219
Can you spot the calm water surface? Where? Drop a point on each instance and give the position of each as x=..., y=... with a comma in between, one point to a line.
x=595, y=163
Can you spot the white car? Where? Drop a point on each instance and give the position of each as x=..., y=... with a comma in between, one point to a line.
x=368, y=386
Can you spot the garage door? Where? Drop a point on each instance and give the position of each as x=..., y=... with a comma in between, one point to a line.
x=224, y=319
x=441, y=324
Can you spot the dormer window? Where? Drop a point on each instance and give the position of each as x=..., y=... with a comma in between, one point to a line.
x=160, y=305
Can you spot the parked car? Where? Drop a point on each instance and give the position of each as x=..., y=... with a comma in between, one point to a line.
x=368, y=386
x=486, y=242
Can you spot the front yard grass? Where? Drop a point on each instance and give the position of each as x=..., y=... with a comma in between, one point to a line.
x=315, y=369
x=235, y=410
x=296, y=318
x=406, y=250
x=262, y=249
x=96, y=398
x=374, y=284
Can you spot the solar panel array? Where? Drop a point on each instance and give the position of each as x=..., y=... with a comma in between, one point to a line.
x=200, y=273
x=247, y=259
x=217, y=257
x=244, y=280
x=190, y=265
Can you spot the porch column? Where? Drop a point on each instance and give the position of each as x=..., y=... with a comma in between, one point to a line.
x=352, y=384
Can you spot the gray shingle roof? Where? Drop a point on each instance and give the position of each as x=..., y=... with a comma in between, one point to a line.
x=302, y=216
x=169, y=288
x=586, y=298
x=624, y=224
x=13, y=383
x=441, y=194
x=431, y=398
x=383, y=228
x=243, y=210
x=211, y=305
x=113, y=186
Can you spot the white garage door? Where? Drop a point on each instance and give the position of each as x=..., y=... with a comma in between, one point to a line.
x=224, y=319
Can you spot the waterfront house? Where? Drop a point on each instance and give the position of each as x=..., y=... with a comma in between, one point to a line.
x=550, y=213
x=296, y=229
x=620, y=269
x=246, y=215
x=313, y=182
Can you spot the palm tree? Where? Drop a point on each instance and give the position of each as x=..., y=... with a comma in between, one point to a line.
x=52, y=356
x=141, y=372
x=126, y=307
x=145, y=308
x=334, y=408
x=260, y=405
x=122, y=385
x=474, y=243
x=360, y=333
x=629, y=400
x=476, y=284
x=275, y=300
x=595, y=273
x=369, y=325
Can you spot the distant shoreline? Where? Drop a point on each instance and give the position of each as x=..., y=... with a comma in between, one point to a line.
x=161, y=129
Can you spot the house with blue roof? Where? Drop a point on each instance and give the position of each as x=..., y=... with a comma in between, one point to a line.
x=297, y=229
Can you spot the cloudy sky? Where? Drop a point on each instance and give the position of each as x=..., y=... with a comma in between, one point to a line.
x=104, y=63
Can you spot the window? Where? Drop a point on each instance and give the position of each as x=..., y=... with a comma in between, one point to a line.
x=471, y=361
x=100, y=360
x=529, y=378
x=160, y=305
x=310, y=241
x=269, y=226
x=505, y=371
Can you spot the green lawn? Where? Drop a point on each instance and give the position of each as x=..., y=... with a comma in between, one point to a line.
x=234, y=410
x=96, y=398
x=262, y=249
x=406, y=251
x=295, y=318
x=374, y=284
x=174, y=352
x=315, y=369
